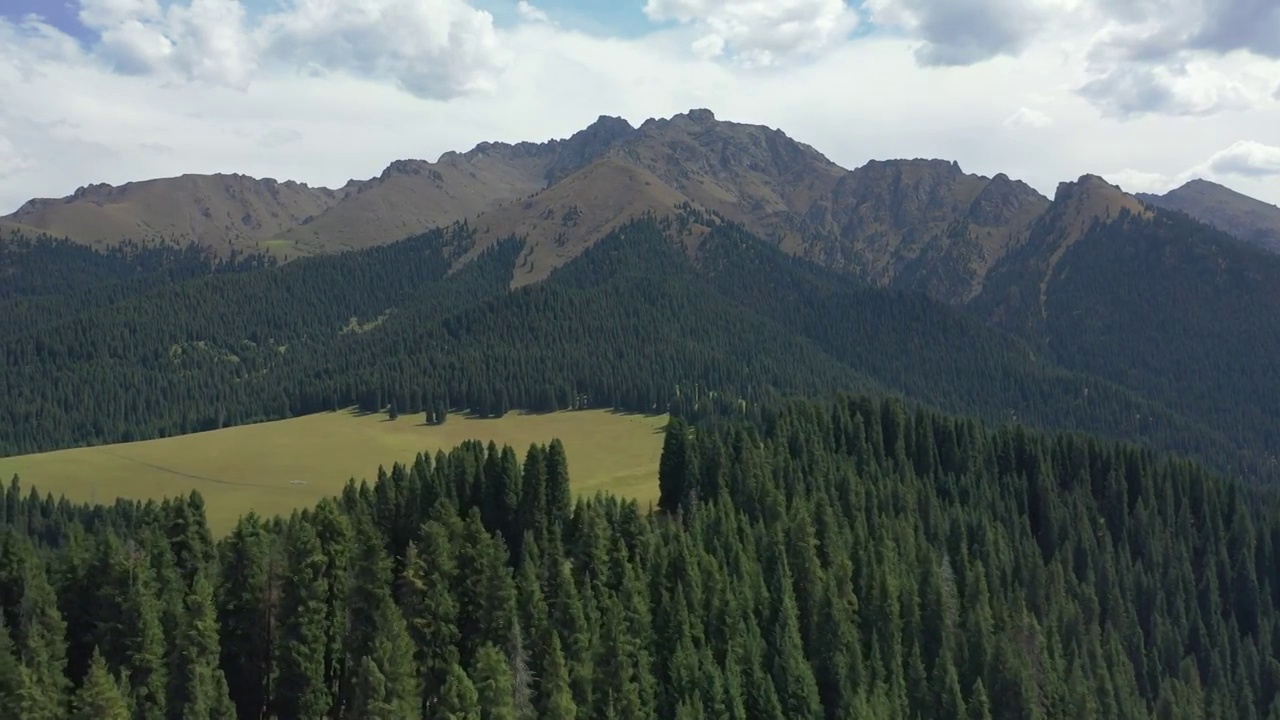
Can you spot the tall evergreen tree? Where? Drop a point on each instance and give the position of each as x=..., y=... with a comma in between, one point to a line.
x=384, y=684
x=458, y=698
x=198, y=687
x=99, y=696
x=301, y=690
x=245, y=610
x=37, y=630
x=491, y=676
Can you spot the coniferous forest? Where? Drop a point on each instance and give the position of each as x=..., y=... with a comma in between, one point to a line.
x=847, y=559
x=158, y=342
x=872, y=505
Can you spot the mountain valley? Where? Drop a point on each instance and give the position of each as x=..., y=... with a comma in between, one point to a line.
x=932, y=443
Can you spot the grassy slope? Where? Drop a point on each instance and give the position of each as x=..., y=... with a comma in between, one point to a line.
x=254, y=467
x=218, y=211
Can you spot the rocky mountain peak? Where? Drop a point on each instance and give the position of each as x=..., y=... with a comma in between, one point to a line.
x=587, y=145
x=1004, y=199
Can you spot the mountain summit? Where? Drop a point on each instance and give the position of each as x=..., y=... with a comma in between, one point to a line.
x=916, y=224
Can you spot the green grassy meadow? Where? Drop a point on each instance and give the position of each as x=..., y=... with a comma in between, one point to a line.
x=274, y=467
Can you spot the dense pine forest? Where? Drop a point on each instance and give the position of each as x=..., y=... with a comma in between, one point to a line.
x=845, y=559
x=157, y=346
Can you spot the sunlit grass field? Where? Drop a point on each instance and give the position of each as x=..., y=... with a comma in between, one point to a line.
x=274, y=467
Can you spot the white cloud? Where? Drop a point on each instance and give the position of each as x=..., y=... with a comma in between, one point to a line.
x=203, y=40
x=963, y=32
x=1132, y=89
x=1136, y=181
x=1145, y=56
x=759, y=33
x=12, y=163
x=354, y=112
x=530, y=13
x=432, y=48
x=1028, y=117
x=1245, y=165
x=1246, y=157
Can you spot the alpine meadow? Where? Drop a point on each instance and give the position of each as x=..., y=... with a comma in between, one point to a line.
x=672, y=421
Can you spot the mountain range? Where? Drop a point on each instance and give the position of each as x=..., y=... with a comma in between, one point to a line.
x=1091, y=530
x=624, y=265
x=914, y=224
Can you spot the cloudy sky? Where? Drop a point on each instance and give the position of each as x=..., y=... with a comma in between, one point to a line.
x=1147, y=93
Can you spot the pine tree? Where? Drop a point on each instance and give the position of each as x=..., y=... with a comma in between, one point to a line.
x=384, y=683
x=333, y=531
x=301, y=691
x=29, y=607
x=386, y=686
x=492, y=678
x=130, y=633
x=559, y=497
x=792, y=676
x=197, y=683
x=245, y=616
x=188, y=536
x=484, y=588
x=458, y=699
x=99, y=696
x=11, y=677
x=979, y=706
x=673, y=467
x=531, y=515
x=556, y=696
x=430, y=609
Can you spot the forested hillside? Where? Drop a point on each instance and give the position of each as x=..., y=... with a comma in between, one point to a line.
x=1165, y=306
x=834, y=560
x=45, y=279
x=661, y=313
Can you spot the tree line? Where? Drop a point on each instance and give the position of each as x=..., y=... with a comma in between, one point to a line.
x=851, y=558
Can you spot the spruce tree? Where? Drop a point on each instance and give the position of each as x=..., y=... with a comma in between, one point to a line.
x=244, y=615
x=99, y=696
x=334, y=533
x=531, y=515
x=491, y=676
x=978, y=706
x=197, y=683
x=484, y=588
x=30, y=610
x=386, y=686
x=792, y=675
x=430, y=610
x=384, y=683
x=557, y=698
x=11, y=677
x=673, y=467
x=301, y=690
x=458, y=699
x=559, y=497
x=130, y=633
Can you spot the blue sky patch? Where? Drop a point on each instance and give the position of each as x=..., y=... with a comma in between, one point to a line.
x=615, y=18
x=62, y=14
